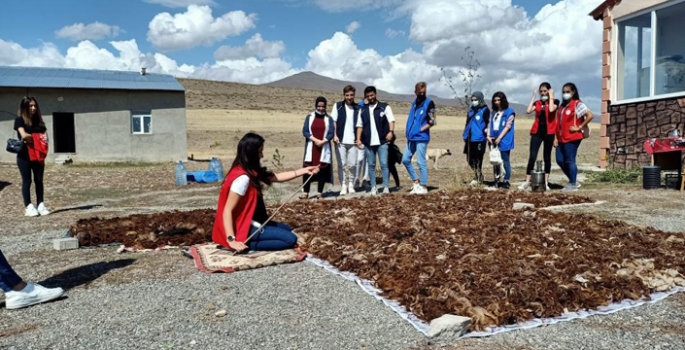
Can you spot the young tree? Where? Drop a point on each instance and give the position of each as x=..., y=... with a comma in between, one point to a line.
x=469, y=75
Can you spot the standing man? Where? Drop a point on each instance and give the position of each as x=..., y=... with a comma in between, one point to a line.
x=421, y=119
x=375, y=129
x=345, y=115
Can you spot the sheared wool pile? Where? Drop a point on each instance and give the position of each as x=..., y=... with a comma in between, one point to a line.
x=468, y=253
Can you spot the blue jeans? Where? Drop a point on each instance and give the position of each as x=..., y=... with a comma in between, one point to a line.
x=418, y=147
x=8, y=278
x=274, y=236
x=566, y=158
x=506, y=160
x=382, y=151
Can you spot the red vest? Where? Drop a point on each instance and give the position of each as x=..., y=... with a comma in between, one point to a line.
x=242, y=214
x=551, y=121
x=566, y=118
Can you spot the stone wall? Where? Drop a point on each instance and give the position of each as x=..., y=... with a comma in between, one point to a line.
x=631, y=124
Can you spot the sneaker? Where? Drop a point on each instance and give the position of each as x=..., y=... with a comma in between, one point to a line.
x=570, y=188
x=386, y=190
x=547, y=188
x=473, y=183
x=413, y=188
x=420, y=190
x=42, y=210
x=373, y=191
x=505, y=185
x=31, y=210
x=351, y=189
x=343, y=190
x=524, y=186
x=31, y=295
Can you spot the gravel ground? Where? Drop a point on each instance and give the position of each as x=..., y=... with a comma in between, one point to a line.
x=160, y=301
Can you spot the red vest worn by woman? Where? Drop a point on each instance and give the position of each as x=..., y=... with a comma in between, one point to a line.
x=566, y=118
x=551, y=120
x=242, y=214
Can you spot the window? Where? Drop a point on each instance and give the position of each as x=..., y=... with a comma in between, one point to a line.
x=141, y=122
x=650, y=53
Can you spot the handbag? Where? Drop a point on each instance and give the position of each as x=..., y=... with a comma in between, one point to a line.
x=14, y=145
x=584, y=130
x=495, y=156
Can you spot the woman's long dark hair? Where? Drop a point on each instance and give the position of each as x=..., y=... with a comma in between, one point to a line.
x=576, y=95
x=503, y=103
x=25, y=112
x=247, y=157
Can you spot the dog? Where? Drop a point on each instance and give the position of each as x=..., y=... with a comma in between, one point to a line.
x=436, y=154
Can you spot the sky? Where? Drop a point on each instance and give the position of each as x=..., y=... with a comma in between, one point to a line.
x=391, y=44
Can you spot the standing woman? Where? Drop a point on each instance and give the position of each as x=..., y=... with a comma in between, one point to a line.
x=31, y=129
x=241, y=209
x=572, y=116
x=542, y=132
x=501, y=133
x=318, y=131
x=474, y=135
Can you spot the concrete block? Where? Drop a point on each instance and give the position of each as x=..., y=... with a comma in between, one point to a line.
x=65, y=243
x=449, y=327
x=519, y=206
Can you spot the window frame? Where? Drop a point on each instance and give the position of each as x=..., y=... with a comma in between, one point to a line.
x=141, y=115
x=652, y=79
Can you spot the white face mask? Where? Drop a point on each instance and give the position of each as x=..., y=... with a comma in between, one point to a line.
x=567, y=96
x=544, y=98
x=475, y=103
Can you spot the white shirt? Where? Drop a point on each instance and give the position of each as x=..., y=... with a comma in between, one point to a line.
x=375, y=138
x=348, y=133
x=240, y=184
x=496, y=120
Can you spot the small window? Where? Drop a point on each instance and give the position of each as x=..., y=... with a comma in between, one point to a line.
x=141, y=123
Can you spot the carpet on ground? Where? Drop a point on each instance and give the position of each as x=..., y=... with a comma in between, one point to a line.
x=209, y=258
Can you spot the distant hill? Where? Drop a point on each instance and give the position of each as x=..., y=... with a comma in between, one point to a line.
x=313, y=81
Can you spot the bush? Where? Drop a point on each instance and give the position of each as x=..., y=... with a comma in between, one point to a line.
x=615, y=176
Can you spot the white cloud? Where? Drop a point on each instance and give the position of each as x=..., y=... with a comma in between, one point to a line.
x=392, y=33
x=181, y=3
x=91, y=31
x=352, y=27
x=254, y=47
x=196, y=27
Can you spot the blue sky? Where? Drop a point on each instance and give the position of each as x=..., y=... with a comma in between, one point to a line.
x=397, y=41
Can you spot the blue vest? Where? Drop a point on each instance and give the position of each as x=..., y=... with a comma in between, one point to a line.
x=342, y=119
x=475, y=125
x=418, y=117
x=507, y=142
x=382, y=125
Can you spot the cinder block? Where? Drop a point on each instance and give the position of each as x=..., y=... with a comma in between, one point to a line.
x=65, y=243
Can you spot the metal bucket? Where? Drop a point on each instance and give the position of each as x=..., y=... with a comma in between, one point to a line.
x=537, y=182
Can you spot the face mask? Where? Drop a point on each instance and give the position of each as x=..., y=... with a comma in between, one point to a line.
x=475, y=103
x=544, y=98
x=567, y=96
x=320, y=113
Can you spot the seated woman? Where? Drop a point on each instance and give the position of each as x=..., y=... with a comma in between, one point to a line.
x=241, y=208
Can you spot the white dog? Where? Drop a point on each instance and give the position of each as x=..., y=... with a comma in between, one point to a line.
x=436, y=154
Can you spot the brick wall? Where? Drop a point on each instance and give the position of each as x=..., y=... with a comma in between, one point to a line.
x=631, y=124
x=605, y=138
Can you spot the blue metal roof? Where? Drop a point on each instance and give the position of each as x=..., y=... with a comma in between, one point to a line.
x=33, y=77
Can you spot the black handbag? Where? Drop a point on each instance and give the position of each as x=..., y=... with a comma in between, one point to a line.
x=14, y=145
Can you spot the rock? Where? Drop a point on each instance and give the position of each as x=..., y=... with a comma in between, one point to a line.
x=448, y=326
x=220, y=313
x=519, y=206
x=530, y=214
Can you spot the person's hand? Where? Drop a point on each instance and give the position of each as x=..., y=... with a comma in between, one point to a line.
x=498, y=141
x=359, y=144
x=551, y=93
x=556, y=143
x=336, y=139
x=237, y=246
x=574, y=128
x=489, y=140
x=319, y=143
x=312, y=170
x=535, y=92
x=389, y=136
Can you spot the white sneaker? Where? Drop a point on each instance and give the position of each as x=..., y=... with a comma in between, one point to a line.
x=351, y=189
x=31, y=210
x=524, y=186
x=42, y=210
x=473, y=183
x=343, y=190
x=386, y=190
x=373, y=191
x=420, y=190
x=31, y=295
x=547, y=188
x=413, y=188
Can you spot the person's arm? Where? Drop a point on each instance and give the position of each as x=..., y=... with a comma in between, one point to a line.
x=293, y=174
x=360, y=127
x=531, y=108
x=227, y=216
x=585, y=113
x=330, y=135
x=486, y=119
x=391, y=122
x=307, y=135
x=429, y=116
x=553, y=104
x=26, y=137
x=334, y=116
x=510, y=123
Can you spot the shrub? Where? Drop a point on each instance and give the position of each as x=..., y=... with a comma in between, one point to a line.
x=615, y=176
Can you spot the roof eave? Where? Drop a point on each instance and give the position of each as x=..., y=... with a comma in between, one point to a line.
x=598, y=13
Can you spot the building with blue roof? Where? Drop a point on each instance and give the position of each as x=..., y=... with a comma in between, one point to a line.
x=99, y=115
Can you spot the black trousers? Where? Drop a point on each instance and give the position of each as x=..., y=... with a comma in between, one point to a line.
x=321, y=177
x=535, y=142
x=26, y=167
x=474, y=155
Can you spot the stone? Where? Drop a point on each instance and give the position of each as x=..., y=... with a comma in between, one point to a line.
x=651, y=125
x=641, y=131
x=676, y=118
x=449, y=326
x=681, y=102
x=661, y=106
x=631, y=113
x=621, y=142
x=641, y=107
x=519, y=206
x=65, y=243
x=622, y=109
x=620, y=118
x=220, y=313
x=631, y=122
